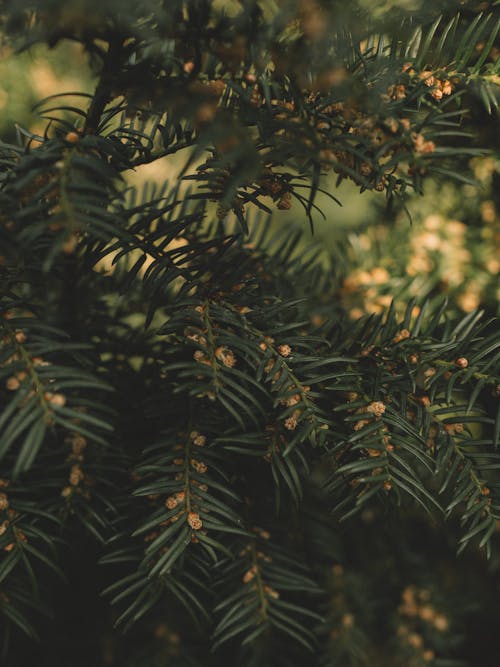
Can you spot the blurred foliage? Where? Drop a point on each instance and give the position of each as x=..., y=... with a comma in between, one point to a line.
x=452, y=250
x=29, y=77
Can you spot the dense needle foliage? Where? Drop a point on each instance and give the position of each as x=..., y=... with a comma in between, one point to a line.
x=192, y=421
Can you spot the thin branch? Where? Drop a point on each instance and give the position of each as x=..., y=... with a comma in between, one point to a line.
x=103, y=91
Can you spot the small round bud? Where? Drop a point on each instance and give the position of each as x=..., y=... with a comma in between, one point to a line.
x=271, y=592
x=377, y=408
x=58, y=400
x=72, y=137
x=249, y=575
x=70, y=245
x=76, y=475
x=225, y=356
x=441, y=623
x=194, y=521
x=171, y=503
x=462, y=362
x=12, y=383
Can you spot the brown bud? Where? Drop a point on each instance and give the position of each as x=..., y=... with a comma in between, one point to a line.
x=72, y=137
x=285, y=202
x=12, y=383
x=194, y=521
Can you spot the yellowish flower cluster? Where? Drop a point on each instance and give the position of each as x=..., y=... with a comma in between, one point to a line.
x=249, y=574
x=438, y=87
x=188, y=501
x=194, y=520
x=291, y=423
x=418, y=617
x=364, y=286
x=173, y=501
x=376, y=408
x=7, y=515
x=443, y=253
x=225, y=355
x=76, y=475
x=440, y=244
x=198, y=439
x=28, y=379
x=199, y=466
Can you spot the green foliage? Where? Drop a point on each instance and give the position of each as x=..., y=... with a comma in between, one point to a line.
x=184, y=394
